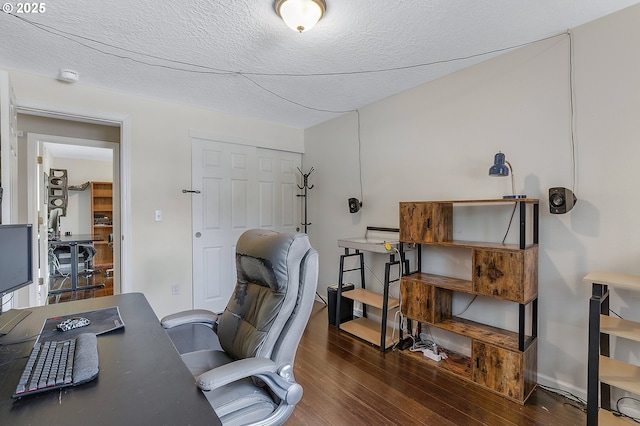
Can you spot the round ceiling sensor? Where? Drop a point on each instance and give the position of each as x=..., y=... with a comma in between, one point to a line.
x=68, y=75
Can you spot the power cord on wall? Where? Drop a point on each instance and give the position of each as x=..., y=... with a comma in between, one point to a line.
x=510, y=221
x=6, y=301
x=616, y=314
x=468, y=306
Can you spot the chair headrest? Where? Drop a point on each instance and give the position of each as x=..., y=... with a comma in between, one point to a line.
x=262, y=257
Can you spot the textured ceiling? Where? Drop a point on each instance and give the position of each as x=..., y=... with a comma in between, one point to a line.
x=238, y=57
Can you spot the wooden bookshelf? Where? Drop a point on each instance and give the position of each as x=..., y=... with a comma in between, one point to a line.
x=102, y=223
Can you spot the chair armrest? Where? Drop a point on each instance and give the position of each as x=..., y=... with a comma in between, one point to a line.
x=192, y=316
x=263, y=368
x=234, y=371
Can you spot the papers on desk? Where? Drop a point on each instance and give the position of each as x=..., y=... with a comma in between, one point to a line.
x=375, y=245
x=102, y=321
x=376, y=239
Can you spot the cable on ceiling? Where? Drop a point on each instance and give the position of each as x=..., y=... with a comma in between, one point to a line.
x=202, y=69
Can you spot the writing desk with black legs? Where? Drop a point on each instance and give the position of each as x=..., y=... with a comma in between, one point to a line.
x=142, y=378
x=74, y=242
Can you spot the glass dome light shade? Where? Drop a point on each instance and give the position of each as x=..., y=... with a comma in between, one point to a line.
x=300, y=15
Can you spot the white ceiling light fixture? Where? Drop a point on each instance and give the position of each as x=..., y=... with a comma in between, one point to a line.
x=300, y=15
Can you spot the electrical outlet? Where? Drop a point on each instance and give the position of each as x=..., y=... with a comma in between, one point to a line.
x=175, y=289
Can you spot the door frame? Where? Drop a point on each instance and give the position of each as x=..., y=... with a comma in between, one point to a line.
x=33, y=139
x=45, y=109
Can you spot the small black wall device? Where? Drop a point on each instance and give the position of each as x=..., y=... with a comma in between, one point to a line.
x=354, y=205
x=561, y=200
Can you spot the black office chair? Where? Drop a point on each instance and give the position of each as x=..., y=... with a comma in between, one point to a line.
x=250, y=380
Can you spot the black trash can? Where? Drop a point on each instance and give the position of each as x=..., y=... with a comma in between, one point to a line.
x=346, y=305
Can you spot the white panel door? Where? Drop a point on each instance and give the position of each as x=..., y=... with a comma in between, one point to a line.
x=277, y=182
x=225, y=175
x=241, y=187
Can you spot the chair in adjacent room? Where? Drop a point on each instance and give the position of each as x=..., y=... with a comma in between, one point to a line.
x=249, y=378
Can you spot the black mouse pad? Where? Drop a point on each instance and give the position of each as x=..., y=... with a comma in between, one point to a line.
x=102, y=321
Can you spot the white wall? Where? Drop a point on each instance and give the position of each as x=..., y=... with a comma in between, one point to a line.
x=78, y=219
x=437, y=141
x=160, y=169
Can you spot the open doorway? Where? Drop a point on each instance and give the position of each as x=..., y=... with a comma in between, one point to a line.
x=87, y=164
x=87, y=219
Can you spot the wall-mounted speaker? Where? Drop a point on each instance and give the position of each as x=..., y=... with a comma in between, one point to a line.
x=561, y=200
x=354, y=205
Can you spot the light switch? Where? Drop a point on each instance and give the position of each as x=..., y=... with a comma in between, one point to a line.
x=158, y=215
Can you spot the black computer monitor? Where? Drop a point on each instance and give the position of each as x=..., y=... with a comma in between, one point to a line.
x=16, y=259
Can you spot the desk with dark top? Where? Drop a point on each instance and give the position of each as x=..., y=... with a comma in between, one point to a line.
x=142, y=378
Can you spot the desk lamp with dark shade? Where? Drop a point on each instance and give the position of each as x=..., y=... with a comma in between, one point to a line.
x=501, y=167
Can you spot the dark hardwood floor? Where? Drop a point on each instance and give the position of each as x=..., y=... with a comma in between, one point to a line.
x=101, y=278
x=347, y=381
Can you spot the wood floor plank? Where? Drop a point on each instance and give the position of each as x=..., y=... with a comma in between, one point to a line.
x=347, y=381
x=373, y=392
x=373, y=362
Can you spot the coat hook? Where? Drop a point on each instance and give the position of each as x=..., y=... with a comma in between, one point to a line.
x=305, y=178
x=305, y=187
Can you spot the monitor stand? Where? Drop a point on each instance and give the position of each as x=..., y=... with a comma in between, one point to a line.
x=11, y=318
